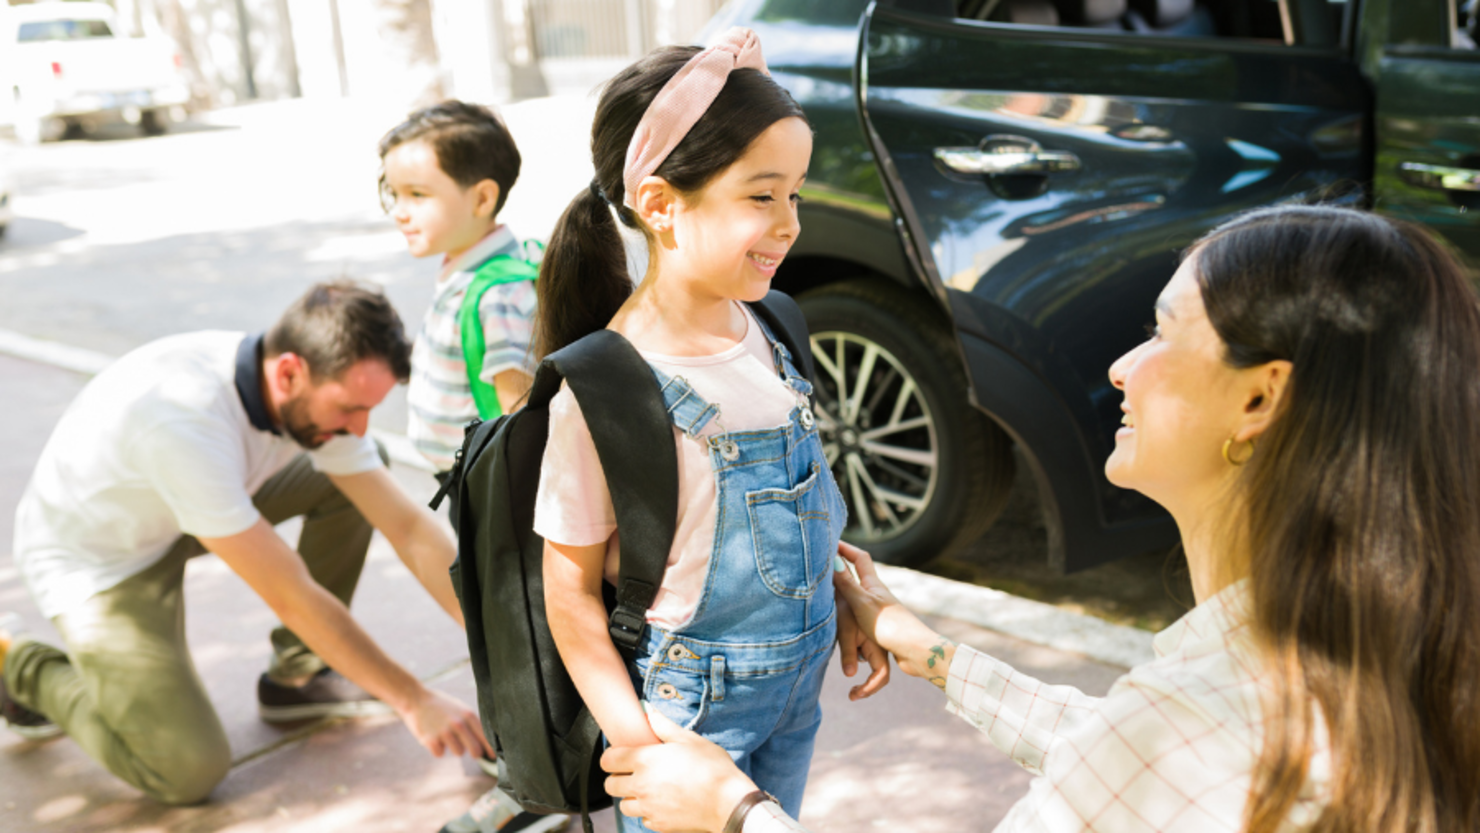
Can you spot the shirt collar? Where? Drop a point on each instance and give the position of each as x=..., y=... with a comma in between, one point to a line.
x=249, y=383
x=1207, y=626
x=499, y=241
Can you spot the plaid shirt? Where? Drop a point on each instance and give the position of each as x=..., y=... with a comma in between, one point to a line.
x=1171, y=747
x=439, y=398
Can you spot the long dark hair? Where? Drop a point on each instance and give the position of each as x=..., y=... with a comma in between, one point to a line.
x=583, y=278
x=1361, y=511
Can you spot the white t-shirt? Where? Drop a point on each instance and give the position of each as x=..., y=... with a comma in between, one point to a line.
x=574, y=508
x=157, y=445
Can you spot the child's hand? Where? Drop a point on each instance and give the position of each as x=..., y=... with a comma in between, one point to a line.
x=854, y=644
x=920, y=651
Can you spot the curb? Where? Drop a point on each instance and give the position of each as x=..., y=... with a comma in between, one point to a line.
x=1025, y=619
x=1030, y=621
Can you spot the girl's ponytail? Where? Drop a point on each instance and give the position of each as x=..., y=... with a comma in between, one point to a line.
x=583, y=277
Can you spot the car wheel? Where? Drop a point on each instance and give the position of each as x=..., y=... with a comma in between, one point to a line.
x=923, y=472
x=153, y=123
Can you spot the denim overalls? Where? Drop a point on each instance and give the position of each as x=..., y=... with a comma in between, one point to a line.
x=746, y=670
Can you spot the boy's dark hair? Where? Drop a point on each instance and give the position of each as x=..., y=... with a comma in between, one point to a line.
x=336, y=324
x=471, y=142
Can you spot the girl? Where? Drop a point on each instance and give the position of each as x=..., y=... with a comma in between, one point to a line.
x=704, y=154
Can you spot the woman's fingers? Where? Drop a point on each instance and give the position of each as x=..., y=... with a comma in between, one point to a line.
x=668, y=731
x=685, y=783
x=619, y=761
x=862, y=562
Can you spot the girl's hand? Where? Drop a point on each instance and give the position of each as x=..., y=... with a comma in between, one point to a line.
x=683, y=785
x=854, y=644
x=920, y=651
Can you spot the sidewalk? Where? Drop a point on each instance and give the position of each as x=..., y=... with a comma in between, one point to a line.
x=895, y=762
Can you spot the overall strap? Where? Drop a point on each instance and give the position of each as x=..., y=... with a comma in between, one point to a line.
x=496, y=271
x=687, y=410
x=781, y=316
x=625, y=412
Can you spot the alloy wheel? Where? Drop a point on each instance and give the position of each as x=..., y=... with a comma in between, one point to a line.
x=878, y=434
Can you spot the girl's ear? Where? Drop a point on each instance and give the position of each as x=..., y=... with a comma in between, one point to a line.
x=656, y=203
x=485, y=203
x=1265, y=394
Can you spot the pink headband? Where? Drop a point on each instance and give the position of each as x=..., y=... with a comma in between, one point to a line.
x=682, y=102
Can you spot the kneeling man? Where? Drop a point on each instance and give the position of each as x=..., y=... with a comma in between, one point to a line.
x=201, y=442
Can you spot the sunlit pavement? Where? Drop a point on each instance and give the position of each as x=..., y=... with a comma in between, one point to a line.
x=122, y=240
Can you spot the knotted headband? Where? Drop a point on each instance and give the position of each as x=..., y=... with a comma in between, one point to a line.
x=682, y=102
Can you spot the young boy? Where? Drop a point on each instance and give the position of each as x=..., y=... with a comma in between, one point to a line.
x=446, y=172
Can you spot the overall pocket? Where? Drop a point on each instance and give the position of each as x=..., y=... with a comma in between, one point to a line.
x=681, y=695
x=791, y=529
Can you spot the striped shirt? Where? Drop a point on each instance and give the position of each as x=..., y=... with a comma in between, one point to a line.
x=1171, y=747
x=439, y=398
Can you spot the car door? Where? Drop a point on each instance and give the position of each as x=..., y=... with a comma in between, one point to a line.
x=1428, y=124
x=1048, y=176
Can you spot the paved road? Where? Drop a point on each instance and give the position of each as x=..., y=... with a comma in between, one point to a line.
x=123, y=240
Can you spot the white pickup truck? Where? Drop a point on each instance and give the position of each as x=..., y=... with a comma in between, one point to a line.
x=62, y=66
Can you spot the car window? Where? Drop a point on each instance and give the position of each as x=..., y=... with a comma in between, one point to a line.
x=42, y=30
x=1321, y=22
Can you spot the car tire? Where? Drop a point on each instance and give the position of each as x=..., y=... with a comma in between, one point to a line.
x=153, y=123
x=935, y=483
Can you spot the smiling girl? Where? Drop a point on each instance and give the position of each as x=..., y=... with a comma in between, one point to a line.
x=704, y=154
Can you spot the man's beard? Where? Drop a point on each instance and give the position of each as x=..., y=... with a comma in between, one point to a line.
x=298, y=425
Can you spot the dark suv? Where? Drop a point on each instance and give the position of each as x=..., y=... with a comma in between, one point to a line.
x=1000, y=188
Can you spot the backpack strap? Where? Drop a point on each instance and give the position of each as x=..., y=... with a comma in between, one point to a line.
x=785, y=319
x=496, y=271
x=624, y=409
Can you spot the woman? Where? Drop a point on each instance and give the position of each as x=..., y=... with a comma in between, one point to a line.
x=1305, y=407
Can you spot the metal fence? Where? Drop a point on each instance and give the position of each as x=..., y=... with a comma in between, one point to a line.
x=614, y=28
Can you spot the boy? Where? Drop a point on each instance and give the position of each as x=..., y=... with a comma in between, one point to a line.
x=446, y=172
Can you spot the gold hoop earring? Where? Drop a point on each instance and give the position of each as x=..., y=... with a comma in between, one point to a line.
x=1228, y=445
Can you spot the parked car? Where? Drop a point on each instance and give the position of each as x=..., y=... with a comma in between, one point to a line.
x=63, y=66
x=1000, y=188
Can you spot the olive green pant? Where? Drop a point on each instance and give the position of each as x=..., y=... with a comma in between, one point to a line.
x=126, y=689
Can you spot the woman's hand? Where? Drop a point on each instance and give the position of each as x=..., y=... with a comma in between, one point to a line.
x=683, y=785
x=854, y=644
x=920, y=651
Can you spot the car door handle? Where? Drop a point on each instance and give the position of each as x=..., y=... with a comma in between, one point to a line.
x=1441, y=177
x=999, y=155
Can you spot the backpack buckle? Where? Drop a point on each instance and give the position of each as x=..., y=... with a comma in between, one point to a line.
x=626, y=627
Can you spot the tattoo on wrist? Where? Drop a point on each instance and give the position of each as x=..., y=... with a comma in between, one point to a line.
x=936, y=662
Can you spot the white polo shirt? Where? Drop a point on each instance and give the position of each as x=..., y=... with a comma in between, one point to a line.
x=158, y=445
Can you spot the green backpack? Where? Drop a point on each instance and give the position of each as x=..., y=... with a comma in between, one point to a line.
x=498, y=270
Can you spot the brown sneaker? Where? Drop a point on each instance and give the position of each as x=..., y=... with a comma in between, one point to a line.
x=28, y=724
x=326, y=695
